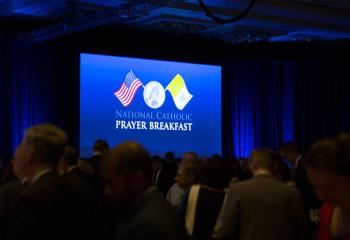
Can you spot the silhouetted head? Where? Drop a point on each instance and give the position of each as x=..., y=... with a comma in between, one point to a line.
x=42, y=147
x=127, y=172
x=261, y=159
x=100, y=147
x=328, y=169
x=69, y=158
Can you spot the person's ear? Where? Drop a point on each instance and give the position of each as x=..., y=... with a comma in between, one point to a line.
x=251, y=167
x=31, y=153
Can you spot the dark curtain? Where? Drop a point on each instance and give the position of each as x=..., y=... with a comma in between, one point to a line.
x=4, y=96
x=38, y=86
x=266, y=103
x=322, y=95
x=258, y=106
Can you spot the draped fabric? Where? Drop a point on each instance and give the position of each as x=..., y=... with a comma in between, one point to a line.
x=269, y=102
x=36, y=87
x=265, y=102
x=258, y=106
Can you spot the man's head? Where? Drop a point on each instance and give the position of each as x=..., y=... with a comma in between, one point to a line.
x=328, y=169
x=290, y=151
x=169, y=156
x=127, y=172
x=69, y=158
x=156, y=162
x=100, y=146
x=261, y=160
x=215, y=174
x=189, y=157
x=188, y=174
x=41, y=147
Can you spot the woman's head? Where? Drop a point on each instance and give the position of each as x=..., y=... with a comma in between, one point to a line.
x=328, y=168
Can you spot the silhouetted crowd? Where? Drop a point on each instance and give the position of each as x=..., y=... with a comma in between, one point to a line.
x=123, y=193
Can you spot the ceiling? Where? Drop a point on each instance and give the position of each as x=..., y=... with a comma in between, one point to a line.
x=267, y=21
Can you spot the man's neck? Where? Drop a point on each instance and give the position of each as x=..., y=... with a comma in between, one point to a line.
x=261, y=172
x=97, y=153
x=296, y=162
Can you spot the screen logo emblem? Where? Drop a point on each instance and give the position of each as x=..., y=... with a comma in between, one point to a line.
x=153, y=92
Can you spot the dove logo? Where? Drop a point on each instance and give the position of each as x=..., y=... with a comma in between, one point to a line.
x=154, y=94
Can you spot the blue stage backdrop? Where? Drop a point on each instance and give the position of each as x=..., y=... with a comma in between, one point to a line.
x=162, y=105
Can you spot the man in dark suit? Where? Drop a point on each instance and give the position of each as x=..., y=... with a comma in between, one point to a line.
x=263, y=208
x=312, y=205
x=167, y=173
x=8, y=193
x=68, y=167
x=84, y=187
x=100, y=147
x=127, y=174
x=48, y=208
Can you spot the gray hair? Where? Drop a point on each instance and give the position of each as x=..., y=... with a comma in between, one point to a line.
x=48, y=142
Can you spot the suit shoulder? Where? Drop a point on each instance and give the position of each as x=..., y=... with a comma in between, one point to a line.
x=13, y=185
x=292, y=190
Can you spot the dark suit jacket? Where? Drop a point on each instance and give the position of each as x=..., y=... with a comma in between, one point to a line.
x=88, y=178
x=263, y=209
x=311, y=202
x=8, y=193
x=49, y=209
x=95, y=162
x=306, y=190
x=167, y=177
x=207, y=205
x=150, y=217
x=94, y=208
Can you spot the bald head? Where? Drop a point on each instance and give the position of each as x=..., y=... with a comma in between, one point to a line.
x=189, y=157
x=127, y=172
x=127, y=158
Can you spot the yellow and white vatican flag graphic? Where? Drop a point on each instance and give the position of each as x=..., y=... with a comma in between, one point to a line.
x=178, y=90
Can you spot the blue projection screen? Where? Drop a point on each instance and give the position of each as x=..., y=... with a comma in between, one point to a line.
x=165, y=106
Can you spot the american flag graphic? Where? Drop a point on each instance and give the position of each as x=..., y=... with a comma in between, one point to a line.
x=128, y=89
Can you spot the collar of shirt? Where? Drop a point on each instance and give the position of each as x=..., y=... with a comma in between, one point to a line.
x=72, y=168
x=40, y=173
x=297, y=161
x=24, y=181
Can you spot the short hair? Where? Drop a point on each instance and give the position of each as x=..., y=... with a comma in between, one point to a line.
x=70, y=155
x=129, y=157
x=101, y=145
x=215, y=174
x=331, y=154
x=290, y=147
x=192, y=169
x=216, y=156
x=169, y=156
x=189, y=157
x=48, y=142
x=262, y=158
